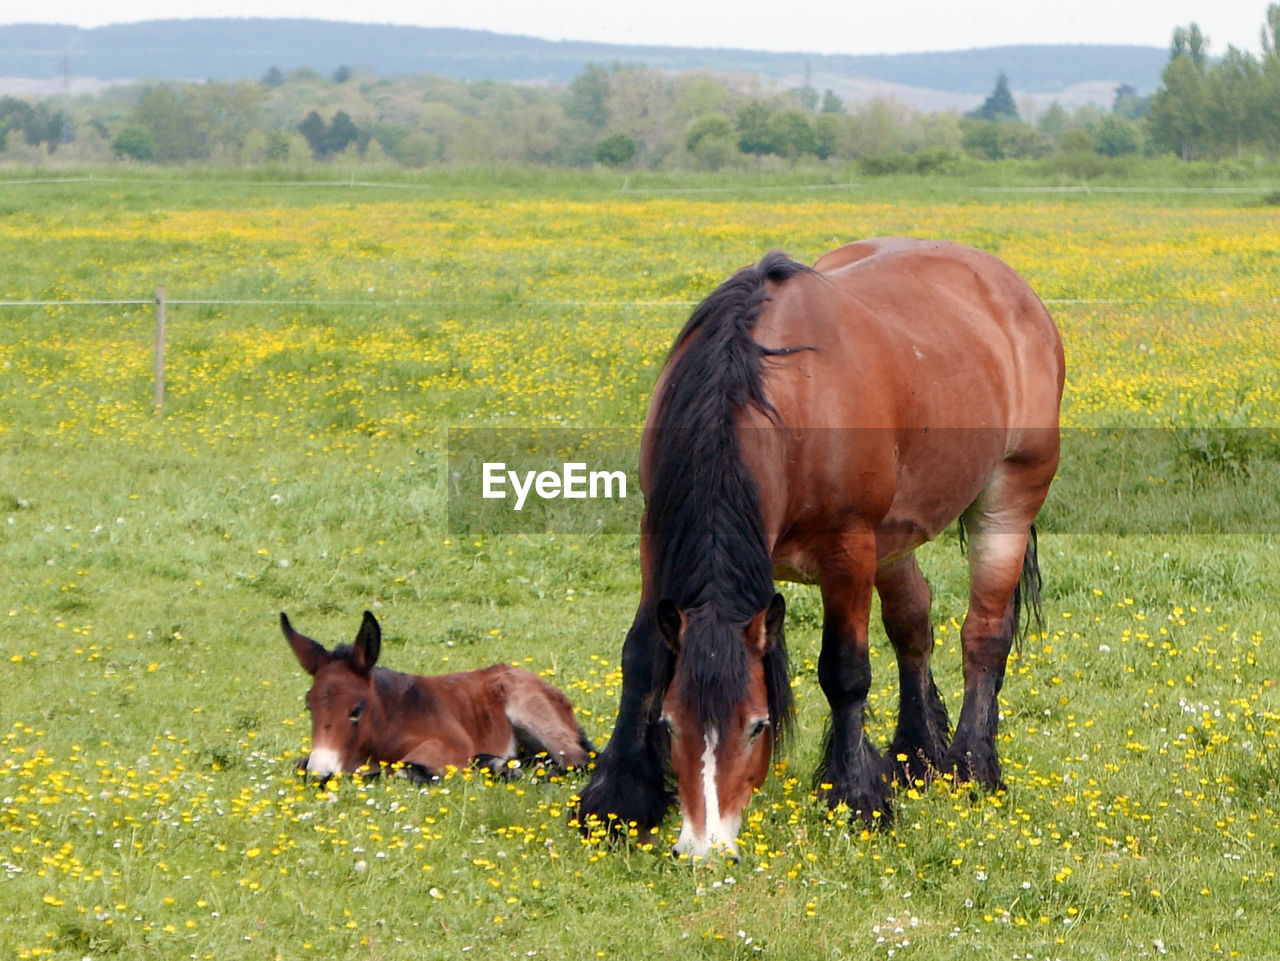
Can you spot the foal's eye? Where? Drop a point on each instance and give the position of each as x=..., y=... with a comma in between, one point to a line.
x=356, y=711
x=758, y=728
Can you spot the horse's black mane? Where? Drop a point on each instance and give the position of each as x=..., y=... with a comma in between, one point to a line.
x=703, y=512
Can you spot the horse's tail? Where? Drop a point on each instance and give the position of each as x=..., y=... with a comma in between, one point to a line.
x=1026, y=595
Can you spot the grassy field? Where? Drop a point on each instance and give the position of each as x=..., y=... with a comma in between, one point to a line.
x=151, y=714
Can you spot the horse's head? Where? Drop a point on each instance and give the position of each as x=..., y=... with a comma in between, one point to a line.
x=340, y=697
x=724, y=710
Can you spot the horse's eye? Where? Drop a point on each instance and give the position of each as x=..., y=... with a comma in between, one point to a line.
x=758, y=728
x=356, y=711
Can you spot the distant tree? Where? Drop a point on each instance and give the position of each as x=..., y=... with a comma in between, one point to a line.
x=15, y=114
x=314, y=129
x=1190, y=42
x=1129, y=104
x=753, y=128
x=791, y=134
x=1271, y=31
x=179, y=128
x=416, y=149
x=831, y=103
x=587, y=99
x=341, y=132
x=1004, y=138
x=1179, y=110
x=277, y=147
x=708, y=126
x=1116, y=137
x=999, y=105
x=135, y=143
x=1076, y=141
x=711, y=140
x=273, y=78
x=40, y=125
x=1053, y=121
x=616, y=150
x=342, y=74
x=230, y=111
x=698, y=94
x=1234, y=92
x=828, y=134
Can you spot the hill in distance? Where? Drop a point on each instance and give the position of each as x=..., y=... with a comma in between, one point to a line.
x=50, y=58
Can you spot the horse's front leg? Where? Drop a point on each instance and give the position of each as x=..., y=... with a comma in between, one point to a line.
x=852, y=771
x=628, y=783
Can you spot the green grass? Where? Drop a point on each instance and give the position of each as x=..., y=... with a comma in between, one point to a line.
x=152, y=714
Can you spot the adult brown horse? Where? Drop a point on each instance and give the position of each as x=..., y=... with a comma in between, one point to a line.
x=821, y=424
x=361, y=713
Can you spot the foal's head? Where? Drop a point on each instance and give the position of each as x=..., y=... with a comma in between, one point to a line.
x=724, y=709
x=340, y=696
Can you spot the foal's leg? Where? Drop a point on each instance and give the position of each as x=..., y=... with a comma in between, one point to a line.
x=432, y=757
x=628, y=782
x=851, y=766
x=921, y=739
x=542, y=718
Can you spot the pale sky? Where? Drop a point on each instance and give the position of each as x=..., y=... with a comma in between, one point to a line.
x=810, y=26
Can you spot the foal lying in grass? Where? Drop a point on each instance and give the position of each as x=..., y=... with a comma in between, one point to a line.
x=362, y=714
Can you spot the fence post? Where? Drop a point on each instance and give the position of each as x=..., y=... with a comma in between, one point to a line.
x=159, y=395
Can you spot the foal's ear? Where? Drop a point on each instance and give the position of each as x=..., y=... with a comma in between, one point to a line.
x=368, y=642
x=670, y=623
x=773, y=616
x=311, y=655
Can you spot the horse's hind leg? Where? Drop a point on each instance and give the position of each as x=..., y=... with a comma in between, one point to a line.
x=999, y=526
x=921, y=739
x=852, y=770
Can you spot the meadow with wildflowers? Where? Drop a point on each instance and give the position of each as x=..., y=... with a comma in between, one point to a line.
x=322, y=343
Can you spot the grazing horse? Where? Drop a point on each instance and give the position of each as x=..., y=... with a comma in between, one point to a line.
x=820, y=424
x=361, y=713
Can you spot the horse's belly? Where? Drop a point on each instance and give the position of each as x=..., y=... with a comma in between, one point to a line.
x=796, y=569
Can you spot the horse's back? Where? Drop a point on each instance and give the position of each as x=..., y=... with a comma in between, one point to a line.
x=926, y=366
x=911, y=333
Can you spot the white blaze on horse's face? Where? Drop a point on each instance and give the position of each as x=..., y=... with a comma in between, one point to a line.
x=337, y=702
x=341, y=690
x=719, y=765
x=717, y=771
x=324, y=762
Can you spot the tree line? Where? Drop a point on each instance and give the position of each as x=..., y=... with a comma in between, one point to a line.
x=629, y=116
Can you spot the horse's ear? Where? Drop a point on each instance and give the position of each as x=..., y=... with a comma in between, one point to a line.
x=771, y=636
x=368, y=642
x=311, y=655
x=773, y=619
x=670, y=623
